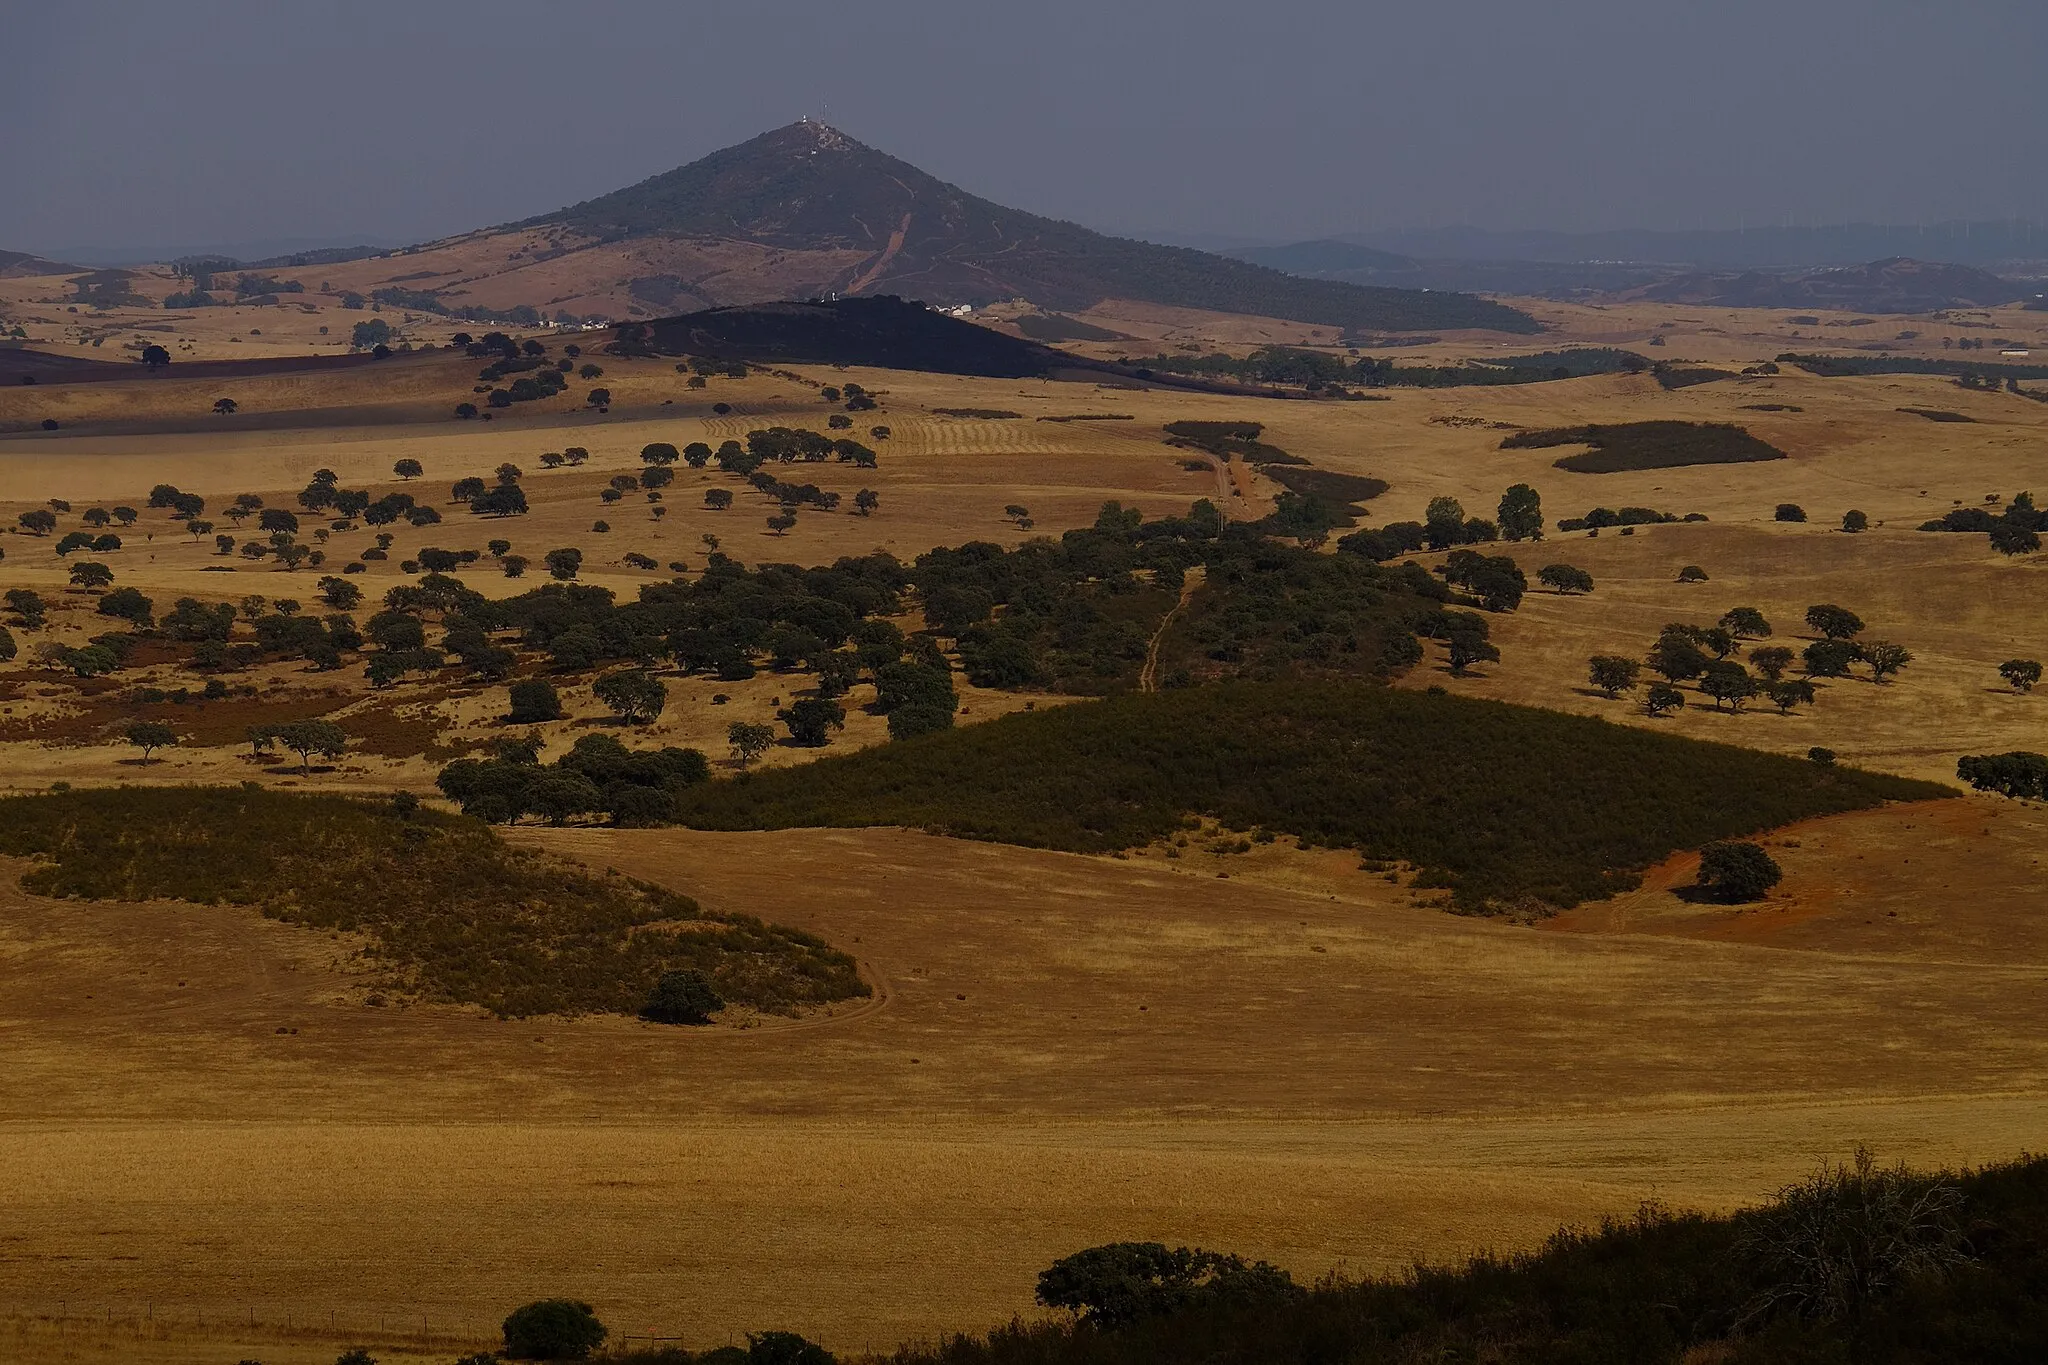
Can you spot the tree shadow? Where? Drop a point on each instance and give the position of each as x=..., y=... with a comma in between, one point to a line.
x=1696, y=894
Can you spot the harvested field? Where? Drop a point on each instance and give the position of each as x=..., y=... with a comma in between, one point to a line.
x=1292, y=1062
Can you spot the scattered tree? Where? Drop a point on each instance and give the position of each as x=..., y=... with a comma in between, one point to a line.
x=90, y=574
x=1663, y=697
x=563, y=564
x=1827, y=658
x=1613, y=674
x=811, y=719
x=2021, y=775
x=534, y=700
x=1771, y=661
x=1854, y=521
x=1833, y=622
x=225, y=407
x=1790, y=511
x=1746, y=623
x=151, y=735
x=309, y=737
x=1520, y=515
x=2020, y=674
x=410, y=469
x=1564, y=578
x=633, y=694
x=1884, y=658
x=748, y=741
x=1736, y=870
x=1789, y=693
x=1727, y=681
x=1692, y=573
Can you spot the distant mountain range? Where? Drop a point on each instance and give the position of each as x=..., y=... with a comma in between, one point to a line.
x=1896, y=284
x=1988, y=244
x=17, y=264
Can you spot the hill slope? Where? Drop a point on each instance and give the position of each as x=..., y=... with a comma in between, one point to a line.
x=809, y=187
x=1467, y=791
x=805, y=211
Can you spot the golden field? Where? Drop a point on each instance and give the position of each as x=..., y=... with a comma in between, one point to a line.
x=1292, y=1061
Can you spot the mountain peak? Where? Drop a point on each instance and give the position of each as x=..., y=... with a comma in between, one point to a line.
x=870, y=223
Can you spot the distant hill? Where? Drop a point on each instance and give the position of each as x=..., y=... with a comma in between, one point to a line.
x=807, y=212
x=808, y=187
x=1326, y=256
x=1967, y=243
x=1896, y=285
x=15, y=264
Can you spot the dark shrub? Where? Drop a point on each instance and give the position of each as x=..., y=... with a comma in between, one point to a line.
x=1123, y=1283
x=680, y=997
x=553, y=1329
x=784, y=1348
x=1736, y=870
x=534, y=700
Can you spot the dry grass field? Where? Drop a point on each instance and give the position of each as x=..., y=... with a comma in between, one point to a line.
x=1064, y=1051
x=204, y=1116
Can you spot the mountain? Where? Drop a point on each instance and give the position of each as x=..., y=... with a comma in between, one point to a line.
x=806, y=211
x=16, y=264
x=1897, y=285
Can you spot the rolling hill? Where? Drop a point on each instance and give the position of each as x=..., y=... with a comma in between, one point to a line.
x=805, y=211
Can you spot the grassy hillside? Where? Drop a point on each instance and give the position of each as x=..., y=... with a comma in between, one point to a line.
x=1498, y=803
x=456, y=913
x=810, y=187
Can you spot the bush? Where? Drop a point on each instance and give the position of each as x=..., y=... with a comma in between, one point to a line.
x=534, y=700
x=1789, y=511
x=553, y=1329
x=681, y=997
x=1824, y=757
x=1735, y=870
x=1123, y=1283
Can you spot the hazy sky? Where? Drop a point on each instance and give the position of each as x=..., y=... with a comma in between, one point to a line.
x=168, y=124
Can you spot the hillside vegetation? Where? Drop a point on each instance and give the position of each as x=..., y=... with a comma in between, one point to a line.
x=1499, y=804
x=1647, y=445
x=1858, y=1264
x=452, y=910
